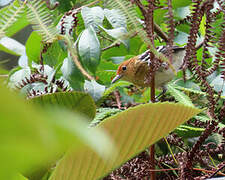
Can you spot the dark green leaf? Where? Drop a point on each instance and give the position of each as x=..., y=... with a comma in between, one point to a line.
x=77, y=101
x=55, y=55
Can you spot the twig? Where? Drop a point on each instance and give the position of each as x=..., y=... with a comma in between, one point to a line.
x=117, y=95
x=217, y=171
x=157, y=29
x=4, y=75
x=105, y=37
x=73, y=54
x=90, y=4
x=116, y=44
x=160, y=32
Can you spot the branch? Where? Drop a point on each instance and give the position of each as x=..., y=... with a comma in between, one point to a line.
x=116, y=44
x=157, y=29
x=73, y=54
x=87, y=5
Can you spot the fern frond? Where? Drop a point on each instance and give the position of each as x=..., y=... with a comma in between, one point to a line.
x=41, y=18
x=10, y=16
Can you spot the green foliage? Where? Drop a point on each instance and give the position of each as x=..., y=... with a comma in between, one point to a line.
x=132, y=130
x=89, y=49
x=33, y=47
x=180, y=96
x=9, y=16
x=76, y=101
x=40, y=135
x=40, y=17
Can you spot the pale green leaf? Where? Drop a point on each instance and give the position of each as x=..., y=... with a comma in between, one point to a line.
x=11, y=46
x=93, y=16
x=34, y=137
x=132, y=130
x=119, y=33
x=89, y=49
x=115, y=18
x=94, y=89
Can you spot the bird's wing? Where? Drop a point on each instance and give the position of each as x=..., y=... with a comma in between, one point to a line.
x=145, y=56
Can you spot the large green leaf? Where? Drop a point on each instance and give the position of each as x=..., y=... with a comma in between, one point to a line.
x=78, y=101
x=32, y=137
x=89, y=49
x=132, y=130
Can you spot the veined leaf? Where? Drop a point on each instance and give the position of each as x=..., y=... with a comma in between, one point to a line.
x=93, y=16
x=77, y=101
x=132, y=130
x=115, y=18
x=89, y=49
x=119, y=33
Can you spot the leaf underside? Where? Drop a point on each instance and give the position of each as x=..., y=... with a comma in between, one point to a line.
x=132, y=131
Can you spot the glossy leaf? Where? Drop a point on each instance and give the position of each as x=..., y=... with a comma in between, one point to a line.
x=219, y=84
x=89, y=49
x=18, y=76
x=11, y=46
x=132, y=130
x=94, y=89
x=118, y=33
x=115, y=18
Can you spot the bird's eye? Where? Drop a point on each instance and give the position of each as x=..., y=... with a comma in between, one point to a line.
x=124, y=68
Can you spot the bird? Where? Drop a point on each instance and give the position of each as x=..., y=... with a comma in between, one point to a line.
x=136, y=69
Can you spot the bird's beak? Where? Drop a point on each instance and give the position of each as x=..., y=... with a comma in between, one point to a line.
x=116, y=78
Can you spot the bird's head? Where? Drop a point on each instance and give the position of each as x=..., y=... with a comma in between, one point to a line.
x=124, y=71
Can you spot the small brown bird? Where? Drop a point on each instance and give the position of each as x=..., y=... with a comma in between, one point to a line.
x=135, y=69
